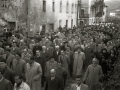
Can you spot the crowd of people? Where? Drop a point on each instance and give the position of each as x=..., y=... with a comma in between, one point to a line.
x=47, y=61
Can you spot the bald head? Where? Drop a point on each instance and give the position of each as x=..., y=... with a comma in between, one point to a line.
x=95, y=61
x=52, y=72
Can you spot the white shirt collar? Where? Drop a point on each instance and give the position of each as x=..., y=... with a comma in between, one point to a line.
x=78, y=86
x=21, y=86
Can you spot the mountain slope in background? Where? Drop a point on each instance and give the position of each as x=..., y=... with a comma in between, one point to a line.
x=112, y=5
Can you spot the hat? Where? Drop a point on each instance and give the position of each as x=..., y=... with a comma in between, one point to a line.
x=51, y=57
x=78, y=76
x=2, y=60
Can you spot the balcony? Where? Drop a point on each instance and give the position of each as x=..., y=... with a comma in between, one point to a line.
x=84, y=16
x=99, y=14
x=96, y=4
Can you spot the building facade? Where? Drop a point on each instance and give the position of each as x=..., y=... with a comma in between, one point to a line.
x=12, y=13
x=39, y=15
x=83, y=13
x=49, y=15
x=97, y=11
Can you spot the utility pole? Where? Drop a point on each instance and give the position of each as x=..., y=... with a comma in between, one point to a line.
x=16, y=10
x=78, y=12
x=27, y=18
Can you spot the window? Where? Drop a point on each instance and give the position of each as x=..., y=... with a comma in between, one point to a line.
x=4, y=3
x=72, y=23
x=66, y=24
x=53, y=6
x=44, y=6
x=51, y=27
x=72, y=8
x=75, y=8
x=67, y=8
x=43, y=27
x=60, y=23
x=82, y=12
x=61, y=6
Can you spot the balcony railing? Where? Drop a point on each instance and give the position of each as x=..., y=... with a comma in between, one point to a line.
x=99, y=14
x=96, y=4
x=84, y=16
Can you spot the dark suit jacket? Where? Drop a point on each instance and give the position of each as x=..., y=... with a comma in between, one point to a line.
x=20, y=67
x=44, y=54
x=6, y=85
x=36, y=47
x=56, y=84
x=9, y=75
x=48, y=67
x=17, y=50
x=83, y=87
x=42, y=61
x=49, y=52
x=56, y=56
x=9, y=60
x=1, y=51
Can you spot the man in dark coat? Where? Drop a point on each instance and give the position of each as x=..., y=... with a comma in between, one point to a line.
x=36, y=47
x=4, y=83
x=56, y=53
x=9, y=57
x=19, y=66
x=41, y=60
x=61, y=72
x=8, y=73
x=43, y=52
x=54, y=82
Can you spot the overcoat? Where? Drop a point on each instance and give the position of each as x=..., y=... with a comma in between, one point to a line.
x=78, y=63
x=34, y=71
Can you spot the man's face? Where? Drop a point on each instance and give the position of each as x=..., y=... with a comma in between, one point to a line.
x=108, y=44
x=25, y=50
x=2, y=65
x=95, y=62
x=38, y=53
x=14, y=44
x=17, y=80
x=30, y=61
x=17, y=57
x=79, y=50
x=57, y=48
x=59, y=64
x=47, y=44
x=52, y=74
x=84, y=42
x=68, y=49
x=44, y=48
x=62, y=53
x=52, y=59
x=78, y=80
x=7, y=52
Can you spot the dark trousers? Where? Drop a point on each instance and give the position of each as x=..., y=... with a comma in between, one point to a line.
x=43, y=79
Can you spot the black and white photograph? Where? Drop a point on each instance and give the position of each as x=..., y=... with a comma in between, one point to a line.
x=59, y=44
